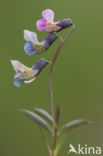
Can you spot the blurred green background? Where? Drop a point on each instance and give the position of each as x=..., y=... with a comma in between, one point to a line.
x=77, y=77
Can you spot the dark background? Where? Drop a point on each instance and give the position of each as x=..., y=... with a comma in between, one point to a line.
x=77, y=77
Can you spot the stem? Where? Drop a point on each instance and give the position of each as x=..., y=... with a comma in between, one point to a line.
x=51, y=69
x=44, y=138
x=50, y=88
x=54, y=139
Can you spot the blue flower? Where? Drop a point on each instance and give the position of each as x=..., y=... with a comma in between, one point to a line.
x=25, y=74
x=34, y=46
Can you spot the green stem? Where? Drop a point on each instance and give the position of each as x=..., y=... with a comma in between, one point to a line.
x=55, y=138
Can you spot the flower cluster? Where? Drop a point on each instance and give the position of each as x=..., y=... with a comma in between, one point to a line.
x=33, y=46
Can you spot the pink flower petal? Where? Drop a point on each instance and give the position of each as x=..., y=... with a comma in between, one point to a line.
x=48, y=15
x=41, y=24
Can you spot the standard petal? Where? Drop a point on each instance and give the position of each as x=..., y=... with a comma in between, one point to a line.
x=30, y=36
x=18, y=66
x=29, y=48
x=41, y=24
x=48, y=15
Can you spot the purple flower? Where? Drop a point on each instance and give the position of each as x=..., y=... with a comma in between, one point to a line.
x=25, y=74
x=47, y=24
x=34, y=46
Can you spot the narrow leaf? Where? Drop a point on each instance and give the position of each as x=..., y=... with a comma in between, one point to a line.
x=73, y=124
x=44, y=115
x=37, y=119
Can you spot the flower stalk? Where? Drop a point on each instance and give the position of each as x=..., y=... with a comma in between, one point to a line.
x=50, y=87
x=52, y=66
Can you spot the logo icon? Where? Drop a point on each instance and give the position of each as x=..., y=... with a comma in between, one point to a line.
x=85, y=150
x=72, y=149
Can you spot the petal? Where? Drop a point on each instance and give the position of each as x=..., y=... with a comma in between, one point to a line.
x=29, y=75
x=30, y=36
x=29, y=81
x=48, y=15
x=29, y=48
x=41, y=24
x=18, y=66
x=52, y=27
x=18, y=79
x=18, y=82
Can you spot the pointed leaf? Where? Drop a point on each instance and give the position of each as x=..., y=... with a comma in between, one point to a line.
x=37, y=119
x=73, y=124
x=44, y=115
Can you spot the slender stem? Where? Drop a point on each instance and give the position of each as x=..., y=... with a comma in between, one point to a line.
x=54, y=138
x=51, y=69
x=50, y=88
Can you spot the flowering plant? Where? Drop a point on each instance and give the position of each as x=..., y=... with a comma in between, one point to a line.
x=43, y=119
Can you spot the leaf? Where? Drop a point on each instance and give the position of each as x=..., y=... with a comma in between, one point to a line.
x=73, y=124
x=44, y=115
x=37, y=119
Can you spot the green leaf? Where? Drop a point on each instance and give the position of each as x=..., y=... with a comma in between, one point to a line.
x=37, y=119
x=44, y=115
x=73, y=124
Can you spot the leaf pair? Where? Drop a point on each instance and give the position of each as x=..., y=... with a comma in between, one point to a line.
x=40, y=118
